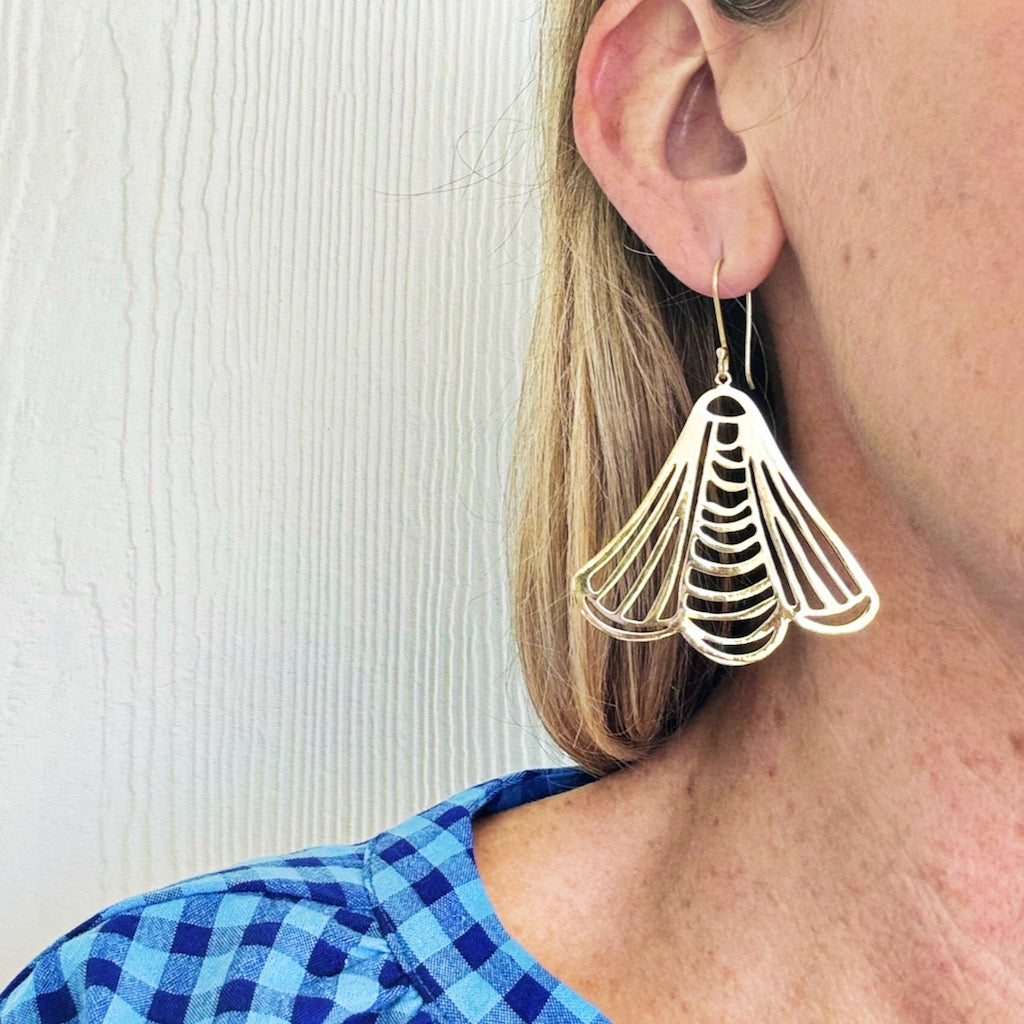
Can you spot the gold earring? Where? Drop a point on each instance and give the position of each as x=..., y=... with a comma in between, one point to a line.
x=726, y=548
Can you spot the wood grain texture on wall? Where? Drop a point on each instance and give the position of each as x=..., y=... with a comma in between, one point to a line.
x=266, y=276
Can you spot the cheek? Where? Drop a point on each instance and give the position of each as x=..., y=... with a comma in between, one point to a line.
x=900, y=171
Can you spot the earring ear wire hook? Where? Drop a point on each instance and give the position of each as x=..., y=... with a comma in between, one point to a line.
x=723, y=376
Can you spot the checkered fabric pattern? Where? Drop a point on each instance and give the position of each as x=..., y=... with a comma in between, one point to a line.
x=396, y=929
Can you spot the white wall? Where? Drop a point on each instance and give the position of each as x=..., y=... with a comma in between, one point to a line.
x=266, y=275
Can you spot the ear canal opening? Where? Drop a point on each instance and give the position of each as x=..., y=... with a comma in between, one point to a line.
x=699, y=145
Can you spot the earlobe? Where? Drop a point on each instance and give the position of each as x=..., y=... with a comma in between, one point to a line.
x=648, y=124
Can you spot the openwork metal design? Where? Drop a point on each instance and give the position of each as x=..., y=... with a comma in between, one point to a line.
x=726, y=548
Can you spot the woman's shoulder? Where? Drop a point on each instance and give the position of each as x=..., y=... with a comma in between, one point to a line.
x=360, y=932
x=272, y=935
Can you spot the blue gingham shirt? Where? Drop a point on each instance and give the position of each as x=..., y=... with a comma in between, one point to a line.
x=396, y=929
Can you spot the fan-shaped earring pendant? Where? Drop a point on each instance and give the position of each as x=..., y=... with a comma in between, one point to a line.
x=726, y=548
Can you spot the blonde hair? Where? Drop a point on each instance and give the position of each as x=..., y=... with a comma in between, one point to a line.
x=619, y=349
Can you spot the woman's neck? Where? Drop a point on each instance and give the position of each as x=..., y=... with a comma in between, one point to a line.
x=851, y=809
x=853, y=814
x=839, y=835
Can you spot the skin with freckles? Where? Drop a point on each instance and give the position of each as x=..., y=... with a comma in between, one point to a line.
x=839, y=834
x=906, y=229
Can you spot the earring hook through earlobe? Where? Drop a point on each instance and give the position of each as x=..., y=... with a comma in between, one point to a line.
x=723, y=376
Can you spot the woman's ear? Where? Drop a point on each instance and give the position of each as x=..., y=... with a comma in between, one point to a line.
x=649, y=126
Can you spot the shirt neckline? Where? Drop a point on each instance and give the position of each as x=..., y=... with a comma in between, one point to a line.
x=440, y=924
